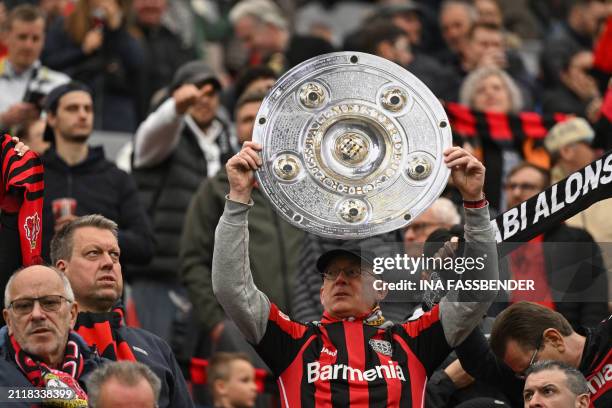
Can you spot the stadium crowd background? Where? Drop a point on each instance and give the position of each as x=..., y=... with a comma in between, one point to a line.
x=175, y=87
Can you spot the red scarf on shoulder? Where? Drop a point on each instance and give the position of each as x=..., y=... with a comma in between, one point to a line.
x=101, y=330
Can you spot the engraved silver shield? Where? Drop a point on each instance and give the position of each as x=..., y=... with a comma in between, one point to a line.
x=352, y=146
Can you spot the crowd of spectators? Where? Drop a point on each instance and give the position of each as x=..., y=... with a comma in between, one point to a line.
x=185, y=79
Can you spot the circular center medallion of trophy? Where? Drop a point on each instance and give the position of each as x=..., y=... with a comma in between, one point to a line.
x=351, y=148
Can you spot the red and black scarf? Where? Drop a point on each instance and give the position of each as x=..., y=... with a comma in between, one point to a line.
x=41, y=375
x=21, y=191
x=101, y=331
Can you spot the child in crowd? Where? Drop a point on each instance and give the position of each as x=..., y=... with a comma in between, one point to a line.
x=231, y=378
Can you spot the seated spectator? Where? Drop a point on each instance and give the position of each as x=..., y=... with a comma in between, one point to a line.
x=555, y=384
x=123, y=384
x=490, y=89
x=231, y=378
x=520, y=17
x=456, y=20
x=185, y=140
x=53, y=9
x=390, y=42
x=87, y=250
x=24, y=81
x=576, y=91
x=569, y=145
x=417, y=21
x=37, y=347
x=441, y=214
x=489, y=12
x=94, y=45
x=577, y=32
x=76, y=171
x=564, y=263
x=526, y=333
x=265, y=34
x=164, y=50
x=259, y=77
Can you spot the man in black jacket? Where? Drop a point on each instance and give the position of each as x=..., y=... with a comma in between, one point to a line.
x=264, y=32
x=77, y=171
x=37, y=347
x=526, y=333
x=87, y=250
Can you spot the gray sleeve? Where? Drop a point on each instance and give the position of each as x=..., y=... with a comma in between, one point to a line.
x=158, y=136
x=461, y=311
x=232, y=281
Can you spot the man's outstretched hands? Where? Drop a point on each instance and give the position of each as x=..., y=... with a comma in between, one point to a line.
x=467, y=172
x=240, y=171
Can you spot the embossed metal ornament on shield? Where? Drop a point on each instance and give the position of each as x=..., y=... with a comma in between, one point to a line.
x=352, y=146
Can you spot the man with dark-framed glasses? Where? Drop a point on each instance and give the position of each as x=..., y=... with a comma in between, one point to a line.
x=353, y=357
x=527, y=333
x=37, y=347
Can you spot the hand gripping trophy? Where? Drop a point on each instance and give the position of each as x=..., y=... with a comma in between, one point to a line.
x=352, y=146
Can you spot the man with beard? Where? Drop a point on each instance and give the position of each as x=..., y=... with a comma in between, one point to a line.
x=87, y=251
x=79, y=180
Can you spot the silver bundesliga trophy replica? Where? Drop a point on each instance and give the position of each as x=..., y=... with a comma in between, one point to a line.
x=352, y=146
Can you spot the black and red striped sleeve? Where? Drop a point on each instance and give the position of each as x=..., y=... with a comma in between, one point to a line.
x=425, y=338
x=21, y=191
x=282, y=340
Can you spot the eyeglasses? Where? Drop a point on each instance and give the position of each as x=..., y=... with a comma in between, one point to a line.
x=50, y=303
x=521, y=186
x=522, y=375
x=351, y=273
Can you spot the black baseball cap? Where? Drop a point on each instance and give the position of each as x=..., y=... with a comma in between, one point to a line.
x=350, y=251
x=52, y=100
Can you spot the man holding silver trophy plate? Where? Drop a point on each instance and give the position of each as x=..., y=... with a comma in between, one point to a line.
x=377, y=154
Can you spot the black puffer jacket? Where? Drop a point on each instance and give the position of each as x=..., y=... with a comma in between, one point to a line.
x=99, y=187
x=166, y=190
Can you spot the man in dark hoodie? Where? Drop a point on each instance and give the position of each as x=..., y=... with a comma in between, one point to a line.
x=79, y=172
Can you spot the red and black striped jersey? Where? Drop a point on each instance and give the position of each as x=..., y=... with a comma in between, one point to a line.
x=351, y=364
x=21, y=191
x=596, y=363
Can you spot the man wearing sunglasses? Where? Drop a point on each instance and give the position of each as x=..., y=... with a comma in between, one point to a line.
x=353, y=356
x=37, y=347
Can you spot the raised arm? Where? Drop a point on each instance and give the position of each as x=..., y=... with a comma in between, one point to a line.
x=232, y=281
x=158, y=136
x=460, y=311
